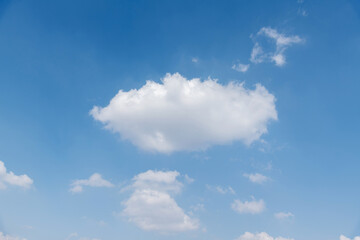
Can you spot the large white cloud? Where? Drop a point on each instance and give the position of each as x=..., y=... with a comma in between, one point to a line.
x=260, y=236
x=94, y=180
x=342, y=237
x=8, y=237
x=253, y=207
x=151, y=205
x=9, y=178
x=282, y=42
x=180, y=114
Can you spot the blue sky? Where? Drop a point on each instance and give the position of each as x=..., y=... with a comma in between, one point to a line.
x=263, y=146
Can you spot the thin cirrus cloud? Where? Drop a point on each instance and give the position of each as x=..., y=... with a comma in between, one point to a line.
x=9, y=178
x=94, y=180
x=256, y=178
x=260, y=236
x=260, y=54
x=180, y=114
x=283, y=215
x=252, y=207
x=342, y=237
x=9, y=237
x=152, y=206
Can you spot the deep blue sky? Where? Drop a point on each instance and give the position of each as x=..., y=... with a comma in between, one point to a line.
x=58, y=59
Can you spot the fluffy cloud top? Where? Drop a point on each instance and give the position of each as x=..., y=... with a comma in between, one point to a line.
x=260, y=236
x=95, y=180
x=151, y=205
x=342, y=237
x=282, y=42
x=256, y=178
x=8, y=237
x=252, y=207
x=9, y=178
x=180, y=114
x=283, y=215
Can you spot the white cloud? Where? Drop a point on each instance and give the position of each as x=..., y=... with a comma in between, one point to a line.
x=180, y=114
x=241, y=67
x=252, y=207
x=256, y=178
x=151, y=206
x=222, y=190
x=342, y=237
x=283, y=215
x=8, y=237
x=9, y=178
x=282, y=42
x=257, y=54
x=94, y=180
x=260, y=236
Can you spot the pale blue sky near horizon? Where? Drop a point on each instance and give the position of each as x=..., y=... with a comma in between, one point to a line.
x=59, y=59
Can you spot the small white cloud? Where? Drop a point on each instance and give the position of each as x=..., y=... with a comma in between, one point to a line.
x=252, y=207
x=152, y=207
x=221, y=190
x=256, y=178
x=283, y=215
x=180, y=114
x=8, y=237
x=279, y=59
x=260, y=236
x=282, y=42
x=241, y=67
x=94, y=180
x=342, y=237
x=195, y=60
x=9, y=178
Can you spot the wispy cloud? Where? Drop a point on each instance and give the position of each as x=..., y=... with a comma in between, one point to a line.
x=342, y=237
x=94, y=180
x=253, y=207
x=283, y=215
x=260, y=236
x=256, y=178
x=282, y=42
x=241, y=67
x=9, y=237
x=221, y=190
x=195, y=59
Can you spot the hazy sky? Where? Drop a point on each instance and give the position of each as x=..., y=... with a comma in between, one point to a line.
x=157, y=120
